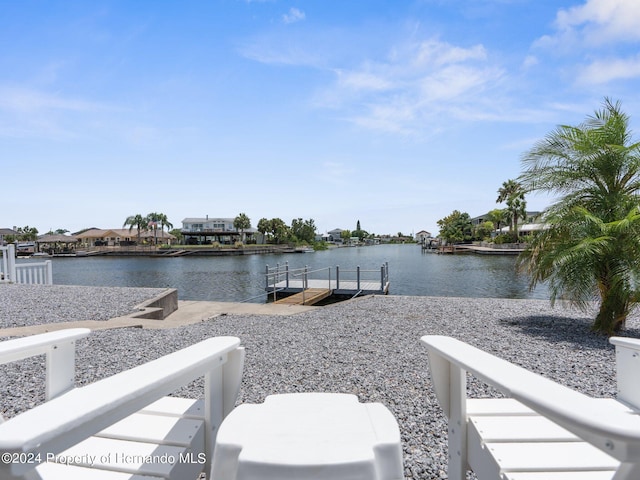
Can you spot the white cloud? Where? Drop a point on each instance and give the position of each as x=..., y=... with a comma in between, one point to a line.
x=27, y=112
x=607, y=70
x=362, y=80
x=418, y=83
x=27, y=100
x=596, y=22
x=529, y=61
x=294, y=15
x=602, y=36
x=436, y=53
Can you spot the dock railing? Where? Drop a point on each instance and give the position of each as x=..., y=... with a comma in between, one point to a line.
x=34, y=273
x=283, y=278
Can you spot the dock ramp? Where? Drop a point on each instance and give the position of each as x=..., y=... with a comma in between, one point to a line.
x=308, y=296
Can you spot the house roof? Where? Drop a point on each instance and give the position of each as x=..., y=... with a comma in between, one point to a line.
x=205, y=220
x=7, y=231
x=55, y=238
x=124, y=233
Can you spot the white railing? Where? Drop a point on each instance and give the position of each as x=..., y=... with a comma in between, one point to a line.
x=283, y=277
x=7, y=263
x=34, y=273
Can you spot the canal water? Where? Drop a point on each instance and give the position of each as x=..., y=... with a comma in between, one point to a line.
x=241, y=278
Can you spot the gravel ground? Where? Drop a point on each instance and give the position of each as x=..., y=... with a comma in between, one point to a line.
x=25, y=305
x=369, y=347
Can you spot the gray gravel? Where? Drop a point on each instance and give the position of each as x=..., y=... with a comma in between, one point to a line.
x=26, y=305
x=369, y=347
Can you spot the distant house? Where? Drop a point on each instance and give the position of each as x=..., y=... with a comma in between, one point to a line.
x=205, y=231
x=6, y=232
x=422, y=236
x=112, y=237
x=335, y=235
x=531, y=217
x=526, y=228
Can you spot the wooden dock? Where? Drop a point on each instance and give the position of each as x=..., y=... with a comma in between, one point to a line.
x=309, y=296
x=480, y=250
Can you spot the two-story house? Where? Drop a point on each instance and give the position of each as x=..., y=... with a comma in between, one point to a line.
x=205, y=231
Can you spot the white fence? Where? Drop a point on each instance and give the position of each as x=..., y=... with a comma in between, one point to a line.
x=40, y=273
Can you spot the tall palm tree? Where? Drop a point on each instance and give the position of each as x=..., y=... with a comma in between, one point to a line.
x=242, y=222
x=512, y=194
x=590, y=249
x=137, y=221
x=164, y=222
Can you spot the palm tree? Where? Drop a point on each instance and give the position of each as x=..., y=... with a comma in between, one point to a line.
x=497, y=216
x=590, y=249
x=242, y=223
x=512, y=193
x=164, y=222
x=153, y=219
x=138, y=221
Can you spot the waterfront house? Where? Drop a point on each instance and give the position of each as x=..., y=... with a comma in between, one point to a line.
x=422, y=236
x=531, y=217
x=6, y=232
x=335, y=235
x=205, y=231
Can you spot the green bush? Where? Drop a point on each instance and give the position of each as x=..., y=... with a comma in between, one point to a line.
x=504, y=238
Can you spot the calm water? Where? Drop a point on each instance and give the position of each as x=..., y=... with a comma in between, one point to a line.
x=241, y=278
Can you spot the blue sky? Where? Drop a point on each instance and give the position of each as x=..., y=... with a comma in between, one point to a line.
x=393, y=112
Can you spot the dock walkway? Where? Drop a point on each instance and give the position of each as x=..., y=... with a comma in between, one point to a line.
x=308, y=296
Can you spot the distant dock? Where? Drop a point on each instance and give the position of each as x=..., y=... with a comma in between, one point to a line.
x=482, y=250
x=303, y=286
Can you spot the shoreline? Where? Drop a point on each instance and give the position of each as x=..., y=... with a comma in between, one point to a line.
x=368, y=347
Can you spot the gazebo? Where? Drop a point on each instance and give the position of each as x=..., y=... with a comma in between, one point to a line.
x=56, y=243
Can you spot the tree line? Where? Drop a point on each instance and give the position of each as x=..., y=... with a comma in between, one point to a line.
x=457, y=226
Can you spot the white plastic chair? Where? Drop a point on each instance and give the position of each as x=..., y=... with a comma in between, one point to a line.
x=542, y=430
x=124, y=426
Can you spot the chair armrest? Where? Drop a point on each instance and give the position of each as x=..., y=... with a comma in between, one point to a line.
x=56, y=425
x=25, y=347
x=59, y=348
x=614, y=431
x=627, y=368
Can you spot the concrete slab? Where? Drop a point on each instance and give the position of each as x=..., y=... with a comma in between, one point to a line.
x=188, y=312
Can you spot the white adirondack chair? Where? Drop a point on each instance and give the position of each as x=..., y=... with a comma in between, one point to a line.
x=542, y=430
x=124, y=426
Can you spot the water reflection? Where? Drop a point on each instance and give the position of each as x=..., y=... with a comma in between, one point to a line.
x=240, y=278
